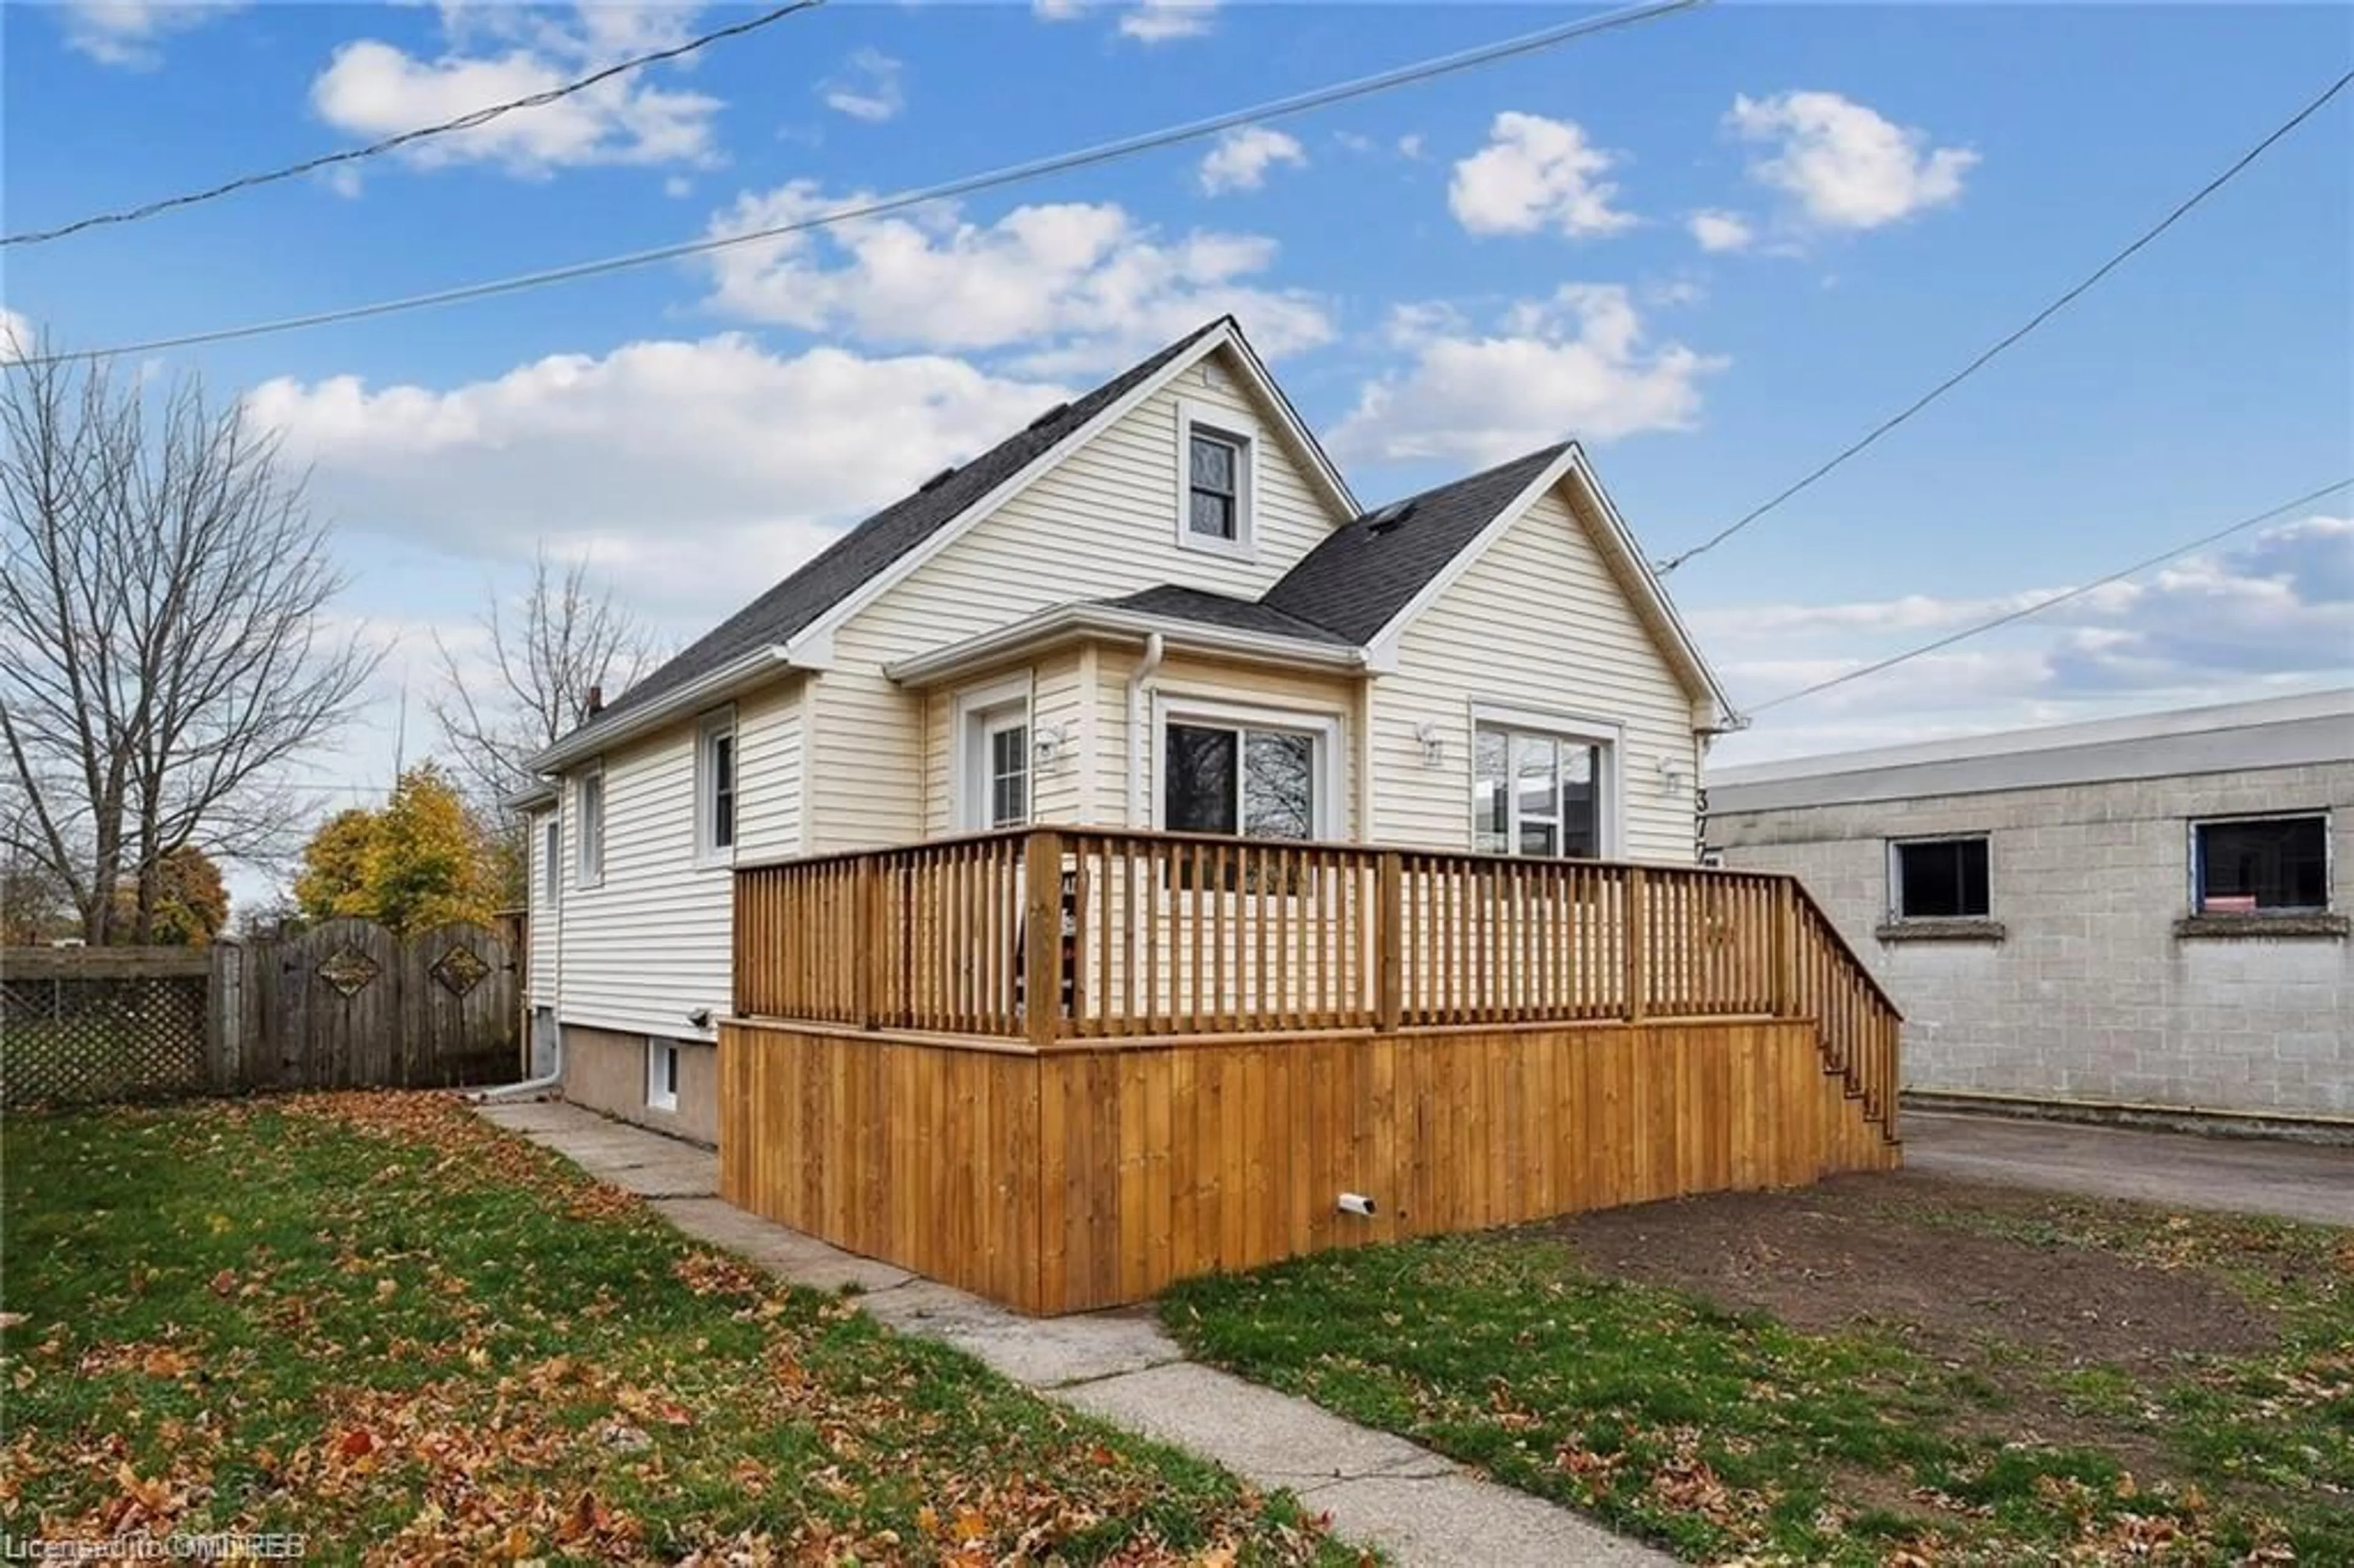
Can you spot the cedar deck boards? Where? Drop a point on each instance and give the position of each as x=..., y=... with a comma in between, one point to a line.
x=1088, y=1176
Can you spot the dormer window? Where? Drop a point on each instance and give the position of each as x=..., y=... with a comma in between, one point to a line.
x=1215, y=471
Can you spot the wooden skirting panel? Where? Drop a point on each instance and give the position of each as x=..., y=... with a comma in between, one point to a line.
x=1080, y=1178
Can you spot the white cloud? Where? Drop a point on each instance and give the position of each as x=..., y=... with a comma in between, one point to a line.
x=18, y=333
x=697, y=471
x=1719, y=230
x=1574, y=365
x=130, y=33
x=1534, y=173
x=2275, y=611
x=1241, y=158
x=1846, y=166
x=1079, y=286
x=1057, y=10
x=371, y=88
x=1410, y=146
x=1160, y=21
x=868, y=89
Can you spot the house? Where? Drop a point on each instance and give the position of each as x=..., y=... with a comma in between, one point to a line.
x=2145, y=913
x=1138, y=672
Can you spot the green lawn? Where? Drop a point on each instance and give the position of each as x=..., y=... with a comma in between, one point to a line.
x=377, y=1321
x=1677, y=1410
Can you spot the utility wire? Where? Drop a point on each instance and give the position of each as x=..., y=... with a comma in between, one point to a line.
x=467, y=122
x=1059, y=162
x=2046, y=313
x=2041, y=605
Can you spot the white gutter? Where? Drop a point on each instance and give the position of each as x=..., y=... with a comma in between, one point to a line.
x=1075, y=619
x=598, y=735
x=1155, y=646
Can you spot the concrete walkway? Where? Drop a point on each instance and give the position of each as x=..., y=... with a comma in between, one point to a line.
x=2245, y=1175
x=1379, y=1490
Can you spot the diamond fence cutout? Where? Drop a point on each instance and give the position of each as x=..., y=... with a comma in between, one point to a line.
x=348, y=971
x=459, y=970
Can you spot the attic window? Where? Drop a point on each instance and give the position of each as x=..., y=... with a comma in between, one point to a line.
x=1216, y=473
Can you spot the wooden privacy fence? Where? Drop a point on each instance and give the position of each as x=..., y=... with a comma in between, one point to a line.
x=1119, y=935
x=346, y=1004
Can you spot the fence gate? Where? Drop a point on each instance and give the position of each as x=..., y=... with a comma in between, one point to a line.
x=347, y=1004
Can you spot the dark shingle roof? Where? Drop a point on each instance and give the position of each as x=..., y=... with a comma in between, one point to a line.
x=838, y=570
x=1201, y=606
x=1353, y=583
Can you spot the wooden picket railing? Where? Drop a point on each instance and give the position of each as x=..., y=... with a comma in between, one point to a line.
x=1132, y=934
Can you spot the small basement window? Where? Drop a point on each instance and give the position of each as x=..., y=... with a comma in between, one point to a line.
x=2260, y=865
x=1938, y=879
x=661, y=1074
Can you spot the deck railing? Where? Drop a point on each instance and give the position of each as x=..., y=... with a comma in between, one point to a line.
x=1126, y=934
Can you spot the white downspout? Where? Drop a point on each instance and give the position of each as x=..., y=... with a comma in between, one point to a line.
x=1140, y=677
x=554, y=1076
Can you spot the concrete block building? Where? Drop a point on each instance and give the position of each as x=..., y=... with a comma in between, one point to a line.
x=2148, y=913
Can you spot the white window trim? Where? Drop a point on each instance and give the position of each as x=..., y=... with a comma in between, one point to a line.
x=1326, y=727
x=2195, y=867
x=707, y=853
x=968, y=764
x=661, y=1054
x=584, y=873
x=1242, y=430
x=1895, y=889
x=1582, y=729
x=551, y=852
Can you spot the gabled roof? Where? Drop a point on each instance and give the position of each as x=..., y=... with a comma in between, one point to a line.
x=851, y=561
x=1366, y=571
x=1171, y=601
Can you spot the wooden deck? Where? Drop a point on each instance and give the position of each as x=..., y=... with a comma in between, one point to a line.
x=1233, y=1033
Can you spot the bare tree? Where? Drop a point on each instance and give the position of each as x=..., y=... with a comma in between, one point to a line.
x=548, y=652
x=164, y=650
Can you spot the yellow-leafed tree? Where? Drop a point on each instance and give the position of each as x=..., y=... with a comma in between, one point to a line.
x=334, y=878
x=420, y=862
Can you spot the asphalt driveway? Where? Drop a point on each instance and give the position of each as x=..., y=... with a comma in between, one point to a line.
x=2245, y=1175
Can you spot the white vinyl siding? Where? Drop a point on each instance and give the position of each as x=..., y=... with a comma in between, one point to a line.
x=650, y=943
x=1101, y=523
x=545, y=912
x=768, y=772
x=1538, y=623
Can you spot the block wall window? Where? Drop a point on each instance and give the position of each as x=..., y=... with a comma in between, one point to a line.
x=662, y=1073
x=588, y=828
x=2260, y=865
x=715, y=788
x=1238, y=778
x=1540, y=793
x=1939, y=879
x=1216, y=481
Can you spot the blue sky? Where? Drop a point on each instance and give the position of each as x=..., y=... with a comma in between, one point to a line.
x=1441, y=275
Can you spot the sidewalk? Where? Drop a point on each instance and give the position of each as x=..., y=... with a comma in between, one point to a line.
x=1379, y=1490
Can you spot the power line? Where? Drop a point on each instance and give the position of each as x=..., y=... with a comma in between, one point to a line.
x=2041, y=605
x=2046, y=313
x=1103, y=153
x=467, y=122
